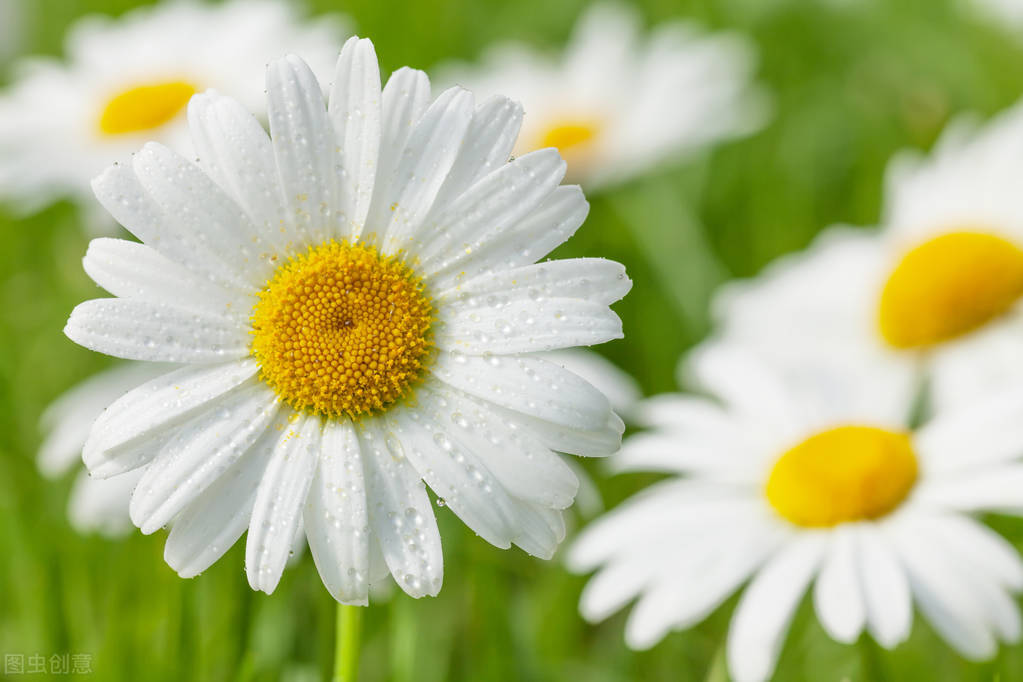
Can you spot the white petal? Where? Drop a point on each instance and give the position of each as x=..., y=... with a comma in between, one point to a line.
x=68, y=419
x=837, y=594
x=614, y=586
x=132, y=270
x=992, y=489
x=336, y=519
x=524, y=242
x=488, y=208
x=686, y=598
x=400, y=515
x=762, y=617
x=456, y=475
x=199, y=451
x=519, y=461
x=527, y=326
x=406, y=197
x=488, y=145
x=601, y=443
x=403, y=101
x=213, y=522
x=886, y=595
x=355, y=112
x=101, y=504
x=526, y=384
x=304, y=147
x=134, y=329
x=235, y=151
x=280, y=499
x=620, y=388
x=541, y=530
x=989, y=432
x=591, y=279
x=120, y=192
x=203, y=213
x=123, y=436
x=942, y=597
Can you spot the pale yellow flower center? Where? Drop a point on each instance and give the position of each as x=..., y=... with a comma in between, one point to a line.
x=144, y=107
x=848, y=473
x=948, y=287
x=341, y=330
x=573, y=137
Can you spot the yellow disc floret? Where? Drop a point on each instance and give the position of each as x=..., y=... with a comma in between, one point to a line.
x=145, y=107
x=342, y=331
x=569, y=134
x=844, y=474
x=948, y=287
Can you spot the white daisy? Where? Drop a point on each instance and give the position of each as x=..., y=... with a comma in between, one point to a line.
x=127, y=81
x=937, y=294
x=357, y=302
x=614, y=104
x=96, y=504
x=785, y=487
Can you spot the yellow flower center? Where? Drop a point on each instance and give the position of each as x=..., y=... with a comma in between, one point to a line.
x=569, y=134
x=848, y=473
x=948, y=287
x=145, y=107
x=341, y=330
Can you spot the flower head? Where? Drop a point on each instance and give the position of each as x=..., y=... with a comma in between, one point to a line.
x=615, y=104
x=935, y=295
x=788, y=484
x=126, y=81
x=357, y=304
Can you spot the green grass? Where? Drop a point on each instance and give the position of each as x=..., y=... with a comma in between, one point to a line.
x=851, y=85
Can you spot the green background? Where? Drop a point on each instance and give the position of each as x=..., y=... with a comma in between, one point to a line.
x=852, y=83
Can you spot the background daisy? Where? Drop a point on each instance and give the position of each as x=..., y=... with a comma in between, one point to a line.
x=936, y=295
x=128, y=80
x=616, y=103
x=787, y=486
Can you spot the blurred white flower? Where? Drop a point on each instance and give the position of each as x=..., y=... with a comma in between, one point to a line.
x=357, y=304
x=128, y=80
x=935, y=296
x=1005, y=12
x=785, y=486
x=96, y=505
x=615, y=104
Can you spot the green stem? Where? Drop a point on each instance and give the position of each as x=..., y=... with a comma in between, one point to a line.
x=346, y=643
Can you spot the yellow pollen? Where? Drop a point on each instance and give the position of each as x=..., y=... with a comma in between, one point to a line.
x=341, y=330
x=144, y=107
x=948, y=287
x=568, y=135
x=844, y=474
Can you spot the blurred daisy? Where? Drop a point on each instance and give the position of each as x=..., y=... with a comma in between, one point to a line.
x=96, y=504
x=357, y=305
x=786, y=487
x=1008, y=12
x=129, y=80
x=936, y=295
x=615, y=105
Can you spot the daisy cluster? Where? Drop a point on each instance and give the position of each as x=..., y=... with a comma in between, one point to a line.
x=333, y=302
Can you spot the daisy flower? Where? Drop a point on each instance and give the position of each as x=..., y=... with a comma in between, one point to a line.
x=128, y=80
x=787, y=487
x=96, y=504
x=615, y=104
x=357, y=303
x=936, y=295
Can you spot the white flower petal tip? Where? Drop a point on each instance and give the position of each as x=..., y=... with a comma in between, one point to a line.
x=381, y=184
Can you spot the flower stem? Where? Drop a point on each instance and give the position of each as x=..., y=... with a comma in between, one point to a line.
x=346, y=643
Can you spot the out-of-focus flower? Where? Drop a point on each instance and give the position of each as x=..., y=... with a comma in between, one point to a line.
x=357, y=302
x=1006, y=12
x=936, y=295
x=784, y=487
x=96, y=505
x=615, y=104
x=128, y=80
